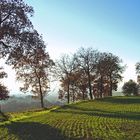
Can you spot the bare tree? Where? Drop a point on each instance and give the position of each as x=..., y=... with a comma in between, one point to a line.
x=87, y=61
x=64, y=68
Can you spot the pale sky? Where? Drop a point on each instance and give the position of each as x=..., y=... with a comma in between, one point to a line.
x=107, y=25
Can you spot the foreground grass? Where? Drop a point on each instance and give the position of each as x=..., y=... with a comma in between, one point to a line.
x=116, y=118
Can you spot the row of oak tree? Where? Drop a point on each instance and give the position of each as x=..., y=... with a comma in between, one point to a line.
x=86, y=74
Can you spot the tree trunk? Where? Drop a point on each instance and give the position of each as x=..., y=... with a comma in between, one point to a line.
x=41, y=97
x=73, y=97
x=40, y=90
x=68, y=91
x=83, y=95
x=41, y=94
x=101, y=87
x=111, y=89
x=110, y=92
x=73, y=94
x=89, y=85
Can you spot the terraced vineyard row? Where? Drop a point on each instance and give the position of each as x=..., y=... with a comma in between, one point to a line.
x=108, y=119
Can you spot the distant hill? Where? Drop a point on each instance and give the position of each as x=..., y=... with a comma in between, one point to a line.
x=22, y=103
x=26, y=102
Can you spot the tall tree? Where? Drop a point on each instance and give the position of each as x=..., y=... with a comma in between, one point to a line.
x=14, y=21
x=32, y=66
x=111, y=68
x=87, y=60
x=101, y=72
x=64, y=68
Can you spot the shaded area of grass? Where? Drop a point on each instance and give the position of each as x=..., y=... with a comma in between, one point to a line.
x=34, y=131
x=111, y=107
x=121, y=100
x=101, y=113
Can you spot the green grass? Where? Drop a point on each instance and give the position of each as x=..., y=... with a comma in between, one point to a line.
x=116, y=118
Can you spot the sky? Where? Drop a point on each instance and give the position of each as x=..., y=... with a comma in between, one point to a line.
x=107, y=25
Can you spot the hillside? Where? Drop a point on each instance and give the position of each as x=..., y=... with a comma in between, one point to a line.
x=116, y=118
x=22, y=103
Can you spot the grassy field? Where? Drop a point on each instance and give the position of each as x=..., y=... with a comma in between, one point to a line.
x=116, y=118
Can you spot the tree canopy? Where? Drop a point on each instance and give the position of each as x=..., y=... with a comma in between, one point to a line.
x=130, y=88
x=109, y=67
x=64, y=67
x=14, y=24
x=32, y=66
x=23, y=47
x=87, y=61
x=88, y=74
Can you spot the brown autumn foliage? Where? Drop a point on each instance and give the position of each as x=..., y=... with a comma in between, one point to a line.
x=78, y=87
x=64, y=67
x=32, y=66
x=24, y=47
x=87, y=61
x=95, y=72
x=14, y=22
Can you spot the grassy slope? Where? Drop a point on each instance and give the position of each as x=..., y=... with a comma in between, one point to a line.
x=116, y=118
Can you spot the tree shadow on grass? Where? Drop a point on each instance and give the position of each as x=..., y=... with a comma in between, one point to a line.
x=34, y=131
x=100, y=113
x=121, y=100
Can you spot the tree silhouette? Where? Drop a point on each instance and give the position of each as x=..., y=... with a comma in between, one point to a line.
x=109, y=70
x=32, y=66
x=14, y=22
x=77, y=86
x=64, y=68
x=87, y=59
x=130, y=87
